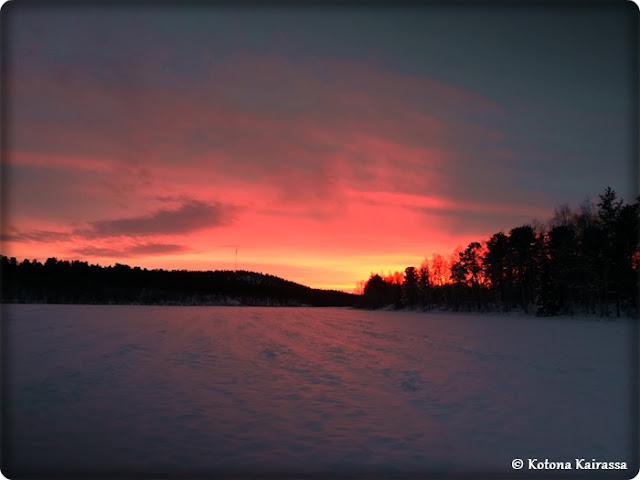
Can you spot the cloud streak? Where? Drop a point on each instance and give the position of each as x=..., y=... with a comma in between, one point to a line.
x=148, y=249
x=190, y=217
x=35, y=236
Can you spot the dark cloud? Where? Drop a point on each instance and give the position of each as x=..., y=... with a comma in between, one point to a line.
x=157, y=249
x=35, y=236
x=144, y=249
x=191, y=216
x=464, y=223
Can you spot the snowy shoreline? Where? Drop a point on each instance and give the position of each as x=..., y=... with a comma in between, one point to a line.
x=516, y=314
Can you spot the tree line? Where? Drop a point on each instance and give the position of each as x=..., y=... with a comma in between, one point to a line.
x=585, y=259
x=63, y=281
x=582, y=260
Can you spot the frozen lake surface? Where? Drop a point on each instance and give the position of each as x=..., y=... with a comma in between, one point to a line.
x=249, y=390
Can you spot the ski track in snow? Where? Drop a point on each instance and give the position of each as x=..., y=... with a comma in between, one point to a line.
x=147, y=389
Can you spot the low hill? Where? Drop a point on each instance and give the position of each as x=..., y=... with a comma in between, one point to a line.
x=78, y=282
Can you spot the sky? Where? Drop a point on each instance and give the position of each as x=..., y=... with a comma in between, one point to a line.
x=321, y=143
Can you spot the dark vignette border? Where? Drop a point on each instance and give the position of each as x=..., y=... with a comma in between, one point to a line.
x=5, y=115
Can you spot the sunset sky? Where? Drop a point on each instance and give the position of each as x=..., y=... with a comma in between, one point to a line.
x=323, y=142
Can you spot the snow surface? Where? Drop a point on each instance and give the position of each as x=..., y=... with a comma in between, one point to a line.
x=204, y=390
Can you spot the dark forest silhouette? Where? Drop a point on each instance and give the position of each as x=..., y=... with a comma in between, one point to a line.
x=584, y=260
x=61, y=281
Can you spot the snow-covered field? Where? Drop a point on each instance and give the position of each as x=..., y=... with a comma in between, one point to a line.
x=204, y=390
